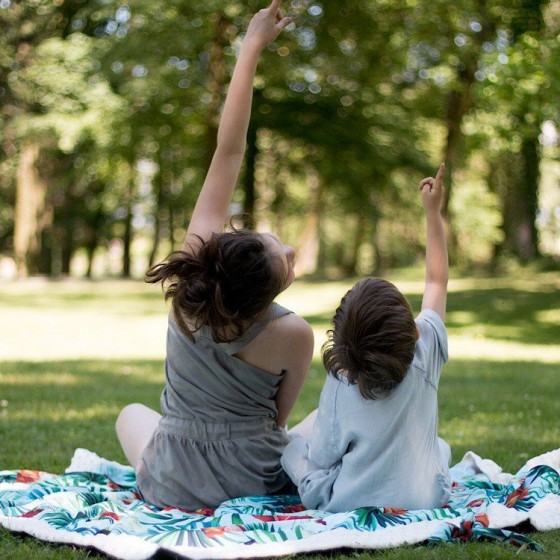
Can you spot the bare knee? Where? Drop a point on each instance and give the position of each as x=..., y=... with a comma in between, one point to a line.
x=128, y=412
x=134, y=426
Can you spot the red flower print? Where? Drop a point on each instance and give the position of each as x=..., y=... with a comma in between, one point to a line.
x=267, y=518
x=28, y=476
x=294, y=509
x=475, y=503
x=516, y=495
x=32, y=513
x=482, y=518
x=394, y=511
x=214, y=531
x=467, y=528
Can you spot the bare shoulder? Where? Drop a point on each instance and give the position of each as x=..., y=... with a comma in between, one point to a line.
x=286, y=343
x=292, y=326
x=293, y=339
x=292, y=334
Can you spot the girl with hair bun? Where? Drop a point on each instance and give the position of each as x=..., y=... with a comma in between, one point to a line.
x=236, y=360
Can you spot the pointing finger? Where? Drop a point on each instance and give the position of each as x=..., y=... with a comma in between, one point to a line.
x=441, y=171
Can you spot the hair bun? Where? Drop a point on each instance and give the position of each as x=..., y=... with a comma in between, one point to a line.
x=197, y=289
x=225, y=282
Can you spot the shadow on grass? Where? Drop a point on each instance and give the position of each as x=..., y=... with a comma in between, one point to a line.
x=133, y=302
x=507, y=411
x=51, y=408
x=527, y=315
x=510, y=314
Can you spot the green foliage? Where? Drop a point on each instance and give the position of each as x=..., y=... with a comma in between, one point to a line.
x=477, y=222
x=366, y=88
x=71, y=101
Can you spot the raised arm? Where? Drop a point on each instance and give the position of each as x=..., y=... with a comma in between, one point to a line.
x=211, y=210
x=437, y=265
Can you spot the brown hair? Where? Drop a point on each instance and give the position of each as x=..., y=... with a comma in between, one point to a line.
x=373, y=338
x=226, y=283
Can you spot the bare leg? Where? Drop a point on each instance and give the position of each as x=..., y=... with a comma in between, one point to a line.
x=305, y=427
x=135, y=425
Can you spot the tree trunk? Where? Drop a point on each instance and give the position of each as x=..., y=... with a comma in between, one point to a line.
x=378, y=267
x=91, y=248
x=520, y=202
x=351, y=265
x=67, y=248
x=307, y=261
x=128, y=233
x=157, y=213
x=278, y=206
x=249, y=190
x=459, y=102
x=527, y=238
x=518, y=182
x=96, y=225
x=32, y=215
x=521, y=206
x=215, y=84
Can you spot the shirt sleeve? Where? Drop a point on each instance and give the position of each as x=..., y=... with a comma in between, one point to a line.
x=313, y=464
x=431, y=350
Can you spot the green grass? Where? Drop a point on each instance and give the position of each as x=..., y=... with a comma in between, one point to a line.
x=74, y=353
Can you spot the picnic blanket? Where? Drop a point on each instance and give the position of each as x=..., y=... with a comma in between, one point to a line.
x=95, y=504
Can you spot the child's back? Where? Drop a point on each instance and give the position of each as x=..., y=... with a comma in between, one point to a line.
x=374, y=441
x=382, y=452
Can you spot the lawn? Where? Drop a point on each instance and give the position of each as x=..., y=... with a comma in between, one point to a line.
x=74, y=353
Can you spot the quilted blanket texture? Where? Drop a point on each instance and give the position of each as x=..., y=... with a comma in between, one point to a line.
x=95, y=504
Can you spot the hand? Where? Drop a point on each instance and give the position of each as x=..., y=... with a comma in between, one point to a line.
x=433, y=191
x=266, y=25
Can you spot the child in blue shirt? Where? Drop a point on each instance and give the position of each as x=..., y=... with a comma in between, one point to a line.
x=374, y=437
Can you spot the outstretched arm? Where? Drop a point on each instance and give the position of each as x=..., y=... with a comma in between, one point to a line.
x=211, y=210
x=437, y=266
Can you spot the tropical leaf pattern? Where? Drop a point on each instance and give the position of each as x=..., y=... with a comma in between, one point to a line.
x=104, y=500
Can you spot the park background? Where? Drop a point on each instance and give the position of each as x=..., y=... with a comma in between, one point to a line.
x=108, y=114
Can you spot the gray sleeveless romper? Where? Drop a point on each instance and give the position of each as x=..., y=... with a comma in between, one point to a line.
x=217, y=439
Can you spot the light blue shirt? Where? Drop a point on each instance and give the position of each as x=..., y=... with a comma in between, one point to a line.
x=382, y=452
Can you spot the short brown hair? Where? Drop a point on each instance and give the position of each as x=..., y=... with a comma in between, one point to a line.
x=227, y=283
x=373, y=338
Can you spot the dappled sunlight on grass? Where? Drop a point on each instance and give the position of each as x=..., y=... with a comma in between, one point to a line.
x=63, y=413
x=497, y=389
x=501, y=410
x=35, y=379
x=461, y=317
x=476, y=347
x=71, y=333
x=548, y=316
x=507, y=314
x=42, y=422
x=498, y=394
x=498, y=317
